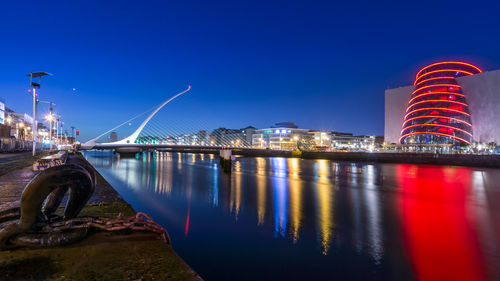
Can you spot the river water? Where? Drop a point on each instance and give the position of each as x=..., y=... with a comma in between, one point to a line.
x=295, y=219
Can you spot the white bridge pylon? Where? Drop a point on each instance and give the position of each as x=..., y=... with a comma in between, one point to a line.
x=133, y=137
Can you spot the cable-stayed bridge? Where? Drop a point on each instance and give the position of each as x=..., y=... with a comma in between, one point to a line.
x=161, y=134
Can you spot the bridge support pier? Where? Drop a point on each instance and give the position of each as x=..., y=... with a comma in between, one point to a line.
x=128, y=152
x=225, y=160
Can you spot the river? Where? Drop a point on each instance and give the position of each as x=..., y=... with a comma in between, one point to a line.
x=297, y=219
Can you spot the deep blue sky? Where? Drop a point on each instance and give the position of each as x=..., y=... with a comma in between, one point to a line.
x=321, y=64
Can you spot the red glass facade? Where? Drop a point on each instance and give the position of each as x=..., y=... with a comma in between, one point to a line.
x=438, y=112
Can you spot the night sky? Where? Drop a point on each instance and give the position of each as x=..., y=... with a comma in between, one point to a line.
x=321, y=64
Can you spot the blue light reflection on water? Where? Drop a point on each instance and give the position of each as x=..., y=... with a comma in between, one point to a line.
x=278, y=218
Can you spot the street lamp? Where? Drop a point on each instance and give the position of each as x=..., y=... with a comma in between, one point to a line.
x=19, y=130
x=49, y=118
x=56, y=124
x=35, y=85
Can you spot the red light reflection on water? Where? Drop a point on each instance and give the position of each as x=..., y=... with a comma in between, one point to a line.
x=439, y=236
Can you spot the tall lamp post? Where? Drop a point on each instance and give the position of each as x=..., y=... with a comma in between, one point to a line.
x=35, y=85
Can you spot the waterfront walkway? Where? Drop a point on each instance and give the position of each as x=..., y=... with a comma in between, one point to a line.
x=101, y=256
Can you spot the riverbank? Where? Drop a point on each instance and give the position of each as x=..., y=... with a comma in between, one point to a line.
x=100, y=256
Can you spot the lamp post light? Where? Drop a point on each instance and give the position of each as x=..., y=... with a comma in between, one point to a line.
x=56, y=121
x=20, y=130
x=35, y=85
x=49, y=118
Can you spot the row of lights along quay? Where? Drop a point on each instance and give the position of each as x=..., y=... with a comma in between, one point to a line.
x=21, y=131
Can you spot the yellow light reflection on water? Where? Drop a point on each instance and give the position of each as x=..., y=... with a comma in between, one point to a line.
x=261, y=190
x=235, y=201
x=324, y=196
x=295, y=198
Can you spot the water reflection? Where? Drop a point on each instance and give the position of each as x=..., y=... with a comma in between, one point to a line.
x=295, y=198
x=396, y=222
x=261, y=190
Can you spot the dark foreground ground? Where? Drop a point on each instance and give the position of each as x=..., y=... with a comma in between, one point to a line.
x=101, y=256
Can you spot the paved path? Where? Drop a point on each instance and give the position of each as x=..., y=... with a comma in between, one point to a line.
x=11, y=156
x=12, y=185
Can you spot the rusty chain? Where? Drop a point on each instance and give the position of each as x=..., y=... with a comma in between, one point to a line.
x=67, y=231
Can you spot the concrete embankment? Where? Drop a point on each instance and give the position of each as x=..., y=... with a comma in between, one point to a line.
x=123, y=255
x=486, y=161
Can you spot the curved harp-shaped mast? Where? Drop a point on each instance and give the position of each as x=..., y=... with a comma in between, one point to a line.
x=131, y=139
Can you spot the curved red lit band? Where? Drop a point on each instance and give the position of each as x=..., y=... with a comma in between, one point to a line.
x=444, y=70
x=433, y=133
x=434, y=78
x=436, y=93
x=424, y=101
x=436, y=85
x=437, y=116
x=437, y=125
x=441, y=96
x=447, y=62
x=436, y=108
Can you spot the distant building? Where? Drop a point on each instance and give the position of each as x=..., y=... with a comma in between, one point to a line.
x=450, y=104
x=281, y=136
x=248, y=133
x=203, y=137
x=322, y=139
x=350, y=141
x=232, y=137
x=187, y=139
x=2, y=111
x=113, y=137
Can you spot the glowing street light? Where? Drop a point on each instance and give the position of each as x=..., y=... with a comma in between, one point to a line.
x=50, y=118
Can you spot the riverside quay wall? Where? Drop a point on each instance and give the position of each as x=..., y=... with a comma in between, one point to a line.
x=472, y=160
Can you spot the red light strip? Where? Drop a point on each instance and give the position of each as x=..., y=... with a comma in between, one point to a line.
x=444, y=70
x=437, y=108
x=434, y=93
x=434, y=78
x=448, y=62
x=437, y=116
x=433, y=133
x=437, y=125
x=436, y=85
x=461, y=103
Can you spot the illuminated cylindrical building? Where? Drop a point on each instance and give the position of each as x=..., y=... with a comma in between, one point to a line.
x=438, y=112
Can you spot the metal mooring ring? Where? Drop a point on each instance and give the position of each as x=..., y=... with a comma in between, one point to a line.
x=53, y=180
